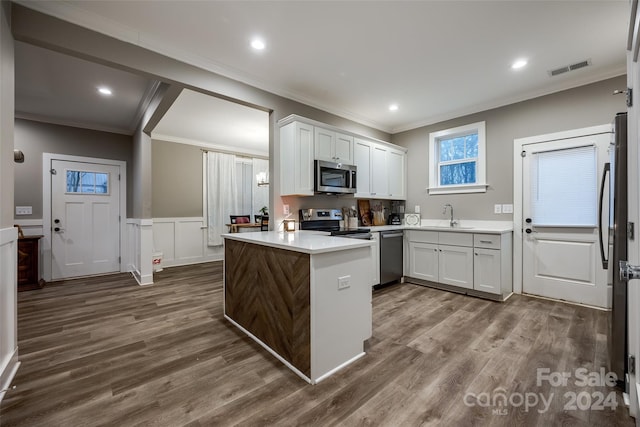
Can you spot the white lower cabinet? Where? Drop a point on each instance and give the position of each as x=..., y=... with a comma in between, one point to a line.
x=476, y=262
x=423, y=261
x=455, y=266
x=375, y=254
x=486, y=270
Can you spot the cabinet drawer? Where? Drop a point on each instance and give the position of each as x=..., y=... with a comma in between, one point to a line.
x=489, y=241
x=422, y=236
x=455, y=239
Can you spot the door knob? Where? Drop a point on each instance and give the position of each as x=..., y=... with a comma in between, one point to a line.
x=528, y=231
x=57, y=221
x=56, y=229
x=528, y=220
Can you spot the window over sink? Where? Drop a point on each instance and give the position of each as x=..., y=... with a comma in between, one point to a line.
x=457, y=160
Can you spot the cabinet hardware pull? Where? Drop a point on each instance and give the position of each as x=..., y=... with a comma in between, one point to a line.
x=486, y=241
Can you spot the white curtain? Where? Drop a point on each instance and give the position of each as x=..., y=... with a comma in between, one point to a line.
x=222, y=199
x=260, y=194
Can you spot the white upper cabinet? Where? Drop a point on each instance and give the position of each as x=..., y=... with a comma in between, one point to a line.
x=382, y=172
x=379, y=172
x=397, y=174
x=381, y=167
x=362, y=160
x=296, y=159
x=333, y=146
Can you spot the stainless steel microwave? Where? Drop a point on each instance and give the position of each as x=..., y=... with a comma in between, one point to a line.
x=334, y=177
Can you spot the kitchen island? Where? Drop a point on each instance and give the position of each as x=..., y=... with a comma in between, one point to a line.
x=304, y=296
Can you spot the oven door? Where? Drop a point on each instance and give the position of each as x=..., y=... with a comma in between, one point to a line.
x=334, y=177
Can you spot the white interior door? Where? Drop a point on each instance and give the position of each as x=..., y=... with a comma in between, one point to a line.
x=559, y=208
x=85, y=219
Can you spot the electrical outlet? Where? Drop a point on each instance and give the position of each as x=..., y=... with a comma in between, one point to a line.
x=417, y=209
x=497, y=209
x=343, y=282
x=285, y=208
x=507, y=208
x=24, y=210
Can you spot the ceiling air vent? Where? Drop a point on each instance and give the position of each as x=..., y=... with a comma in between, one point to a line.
x=571, y=67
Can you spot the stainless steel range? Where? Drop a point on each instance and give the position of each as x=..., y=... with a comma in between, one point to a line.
x=329, y=220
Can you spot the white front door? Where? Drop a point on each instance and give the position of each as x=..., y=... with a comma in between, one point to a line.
x=85, y=219
x=560, y=253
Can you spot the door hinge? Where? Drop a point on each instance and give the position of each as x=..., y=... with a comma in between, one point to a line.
x=119, y=218
x=118, y=177
x=629, y=97
x=631, y=231
x=523, y=154
x=119, y=260
x=631, y=364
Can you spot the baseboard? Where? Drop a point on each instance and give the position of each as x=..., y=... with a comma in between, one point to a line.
x=143, y=280
x=7, y=375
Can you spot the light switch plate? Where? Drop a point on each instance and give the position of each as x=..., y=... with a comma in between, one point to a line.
x=507, y=208
x=285, y=208
x=417, y=209
x=497, y=209
x=24, y=210
x=343, y=282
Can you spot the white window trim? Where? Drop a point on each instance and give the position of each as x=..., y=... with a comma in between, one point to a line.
x=480, y=186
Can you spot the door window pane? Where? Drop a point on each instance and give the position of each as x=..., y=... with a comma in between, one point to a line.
x=83, y=182
x=564, y=187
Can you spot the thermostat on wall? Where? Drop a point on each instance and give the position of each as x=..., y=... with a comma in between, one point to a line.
x=412, y=219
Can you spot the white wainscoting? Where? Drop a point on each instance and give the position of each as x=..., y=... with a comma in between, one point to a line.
x=183, y=241
x=8, y=307
x=139, y=249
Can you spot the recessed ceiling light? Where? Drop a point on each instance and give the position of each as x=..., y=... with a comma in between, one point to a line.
x=104, y=90
x=257, y=44
x=519, y=64
x=393, y=107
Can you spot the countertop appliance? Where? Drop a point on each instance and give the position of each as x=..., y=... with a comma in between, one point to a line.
x=390, y=256
x=394, y=219
x=615, y=248
x=334, y=177
x=329, y=220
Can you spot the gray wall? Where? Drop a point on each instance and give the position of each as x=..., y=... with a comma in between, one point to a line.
x=176, y=173
x=35, y=138
x=584, y=106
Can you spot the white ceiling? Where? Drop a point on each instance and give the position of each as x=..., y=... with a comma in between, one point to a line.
x=214, y=123
x=435, y=59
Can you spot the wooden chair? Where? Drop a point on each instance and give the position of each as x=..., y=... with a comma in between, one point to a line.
x=240, y=219
x=264, y=223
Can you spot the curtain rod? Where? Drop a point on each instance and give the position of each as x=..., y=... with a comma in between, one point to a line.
x=254, y=156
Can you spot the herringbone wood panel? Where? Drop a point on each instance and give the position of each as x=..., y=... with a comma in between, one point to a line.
x=267, y=293
x=106, y=352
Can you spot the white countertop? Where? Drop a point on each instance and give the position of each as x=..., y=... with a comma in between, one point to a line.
x=309, y=242
x=465, y=226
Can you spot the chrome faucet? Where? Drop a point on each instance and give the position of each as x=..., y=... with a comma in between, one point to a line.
x=452, y=222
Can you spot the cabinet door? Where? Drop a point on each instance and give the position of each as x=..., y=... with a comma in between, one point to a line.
x=296, y=159
x=375, y=254
x=486, y=270
x=324, y=144
x=343, y=151
x=397, y=174
x=423, y=261
x=455, y=266
x=379, y=173
x=362, y=160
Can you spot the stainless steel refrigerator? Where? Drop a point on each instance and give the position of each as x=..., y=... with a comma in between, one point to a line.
x=614, y=248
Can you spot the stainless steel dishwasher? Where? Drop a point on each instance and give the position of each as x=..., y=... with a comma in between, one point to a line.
x=390, y=256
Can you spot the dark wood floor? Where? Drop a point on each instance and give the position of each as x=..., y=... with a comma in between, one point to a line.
x=106, y=352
